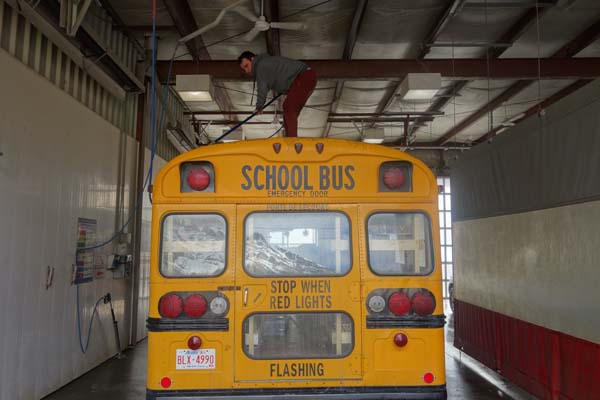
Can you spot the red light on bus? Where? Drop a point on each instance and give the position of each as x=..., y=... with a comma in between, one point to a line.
x=399, y=303
x=198, y=179
x=194, y=306
x=423, y=302
x=165, y=382
x=194, y=343
x=428, y=377
x=393, y=178
x=400, y=339
x=170, y=306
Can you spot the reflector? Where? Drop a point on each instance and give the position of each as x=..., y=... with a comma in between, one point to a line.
x=194, y=343
x=165, y=382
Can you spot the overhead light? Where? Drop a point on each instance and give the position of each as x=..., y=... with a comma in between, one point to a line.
x=420, y=86
x=373, y=135
x=194, y=87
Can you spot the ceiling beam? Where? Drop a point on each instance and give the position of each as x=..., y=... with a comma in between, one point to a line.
x=536, y=108
x=272, y=35
x=450, y=12
x=460, y=69
x=583, y=40
x=394, y=114
x=184, y=21
x=359, y=12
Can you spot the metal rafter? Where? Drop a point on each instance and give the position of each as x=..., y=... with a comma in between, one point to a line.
x=184, y=21
x=359, y=13
x=385, y=69
x=450, y=12
x=584, y=39
x=272, y=35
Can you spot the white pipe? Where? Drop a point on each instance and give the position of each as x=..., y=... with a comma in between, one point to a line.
x=68, y=48
x=212, y=24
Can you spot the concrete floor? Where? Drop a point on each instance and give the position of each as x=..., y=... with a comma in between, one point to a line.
x=125, y=379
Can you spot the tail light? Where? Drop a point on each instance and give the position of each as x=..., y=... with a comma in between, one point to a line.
x=194, y=306
x=197, y=176
x=207, y=304
x=165, y=382
x=423, y=302
x=395, y=176
x=399, y=303
x=170, y=306
x=400, y=339
x=428, y=377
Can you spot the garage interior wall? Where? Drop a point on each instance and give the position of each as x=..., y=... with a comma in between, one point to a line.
x=66, y=151
x=526, y=212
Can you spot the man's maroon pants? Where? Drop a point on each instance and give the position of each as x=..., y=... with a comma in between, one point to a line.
x=299, y=92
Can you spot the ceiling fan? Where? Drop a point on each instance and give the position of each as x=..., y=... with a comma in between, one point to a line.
x=261, y=24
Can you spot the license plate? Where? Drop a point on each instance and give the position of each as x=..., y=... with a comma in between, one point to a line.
x=195, y=359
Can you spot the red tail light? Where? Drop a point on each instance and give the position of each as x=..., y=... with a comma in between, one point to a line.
x=428, y=377
x=400, y=339
x=399, y=303
x=198, y=179
x=194, y=306
x=423, y=302
x=170, y=306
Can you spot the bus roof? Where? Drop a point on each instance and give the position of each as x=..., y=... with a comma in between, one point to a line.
x=292, y=170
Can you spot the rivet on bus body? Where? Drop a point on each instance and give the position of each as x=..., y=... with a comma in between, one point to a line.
x=319, y=147
x=165, y=382
x=194, y=343
x=298, y=147
x=277, y=147
x=400, y=339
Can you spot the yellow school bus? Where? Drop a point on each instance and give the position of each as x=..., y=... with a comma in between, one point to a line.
x=295, y=269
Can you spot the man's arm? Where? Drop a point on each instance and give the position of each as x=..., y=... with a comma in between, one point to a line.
x=261, y=97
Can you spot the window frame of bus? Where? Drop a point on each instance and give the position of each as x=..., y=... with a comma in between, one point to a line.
x=160, y=255
x=351, y=258
x=431, y=244
x=352, y=336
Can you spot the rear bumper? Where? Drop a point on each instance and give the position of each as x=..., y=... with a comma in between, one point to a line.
x=319, y=393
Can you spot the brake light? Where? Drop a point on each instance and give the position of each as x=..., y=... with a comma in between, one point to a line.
x=198, y=179
x=170, y=306
x=399, y=303
x=194, y=306
x=194, y=343
x=423, y=302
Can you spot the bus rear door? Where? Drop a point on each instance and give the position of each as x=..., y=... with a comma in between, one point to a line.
x=297, y=307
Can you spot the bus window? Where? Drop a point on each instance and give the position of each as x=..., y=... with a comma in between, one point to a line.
x=297, y=244
x=193, y=245
x=298, y=335
x=400, y=244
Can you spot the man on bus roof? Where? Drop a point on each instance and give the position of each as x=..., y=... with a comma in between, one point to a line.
x=281, y=75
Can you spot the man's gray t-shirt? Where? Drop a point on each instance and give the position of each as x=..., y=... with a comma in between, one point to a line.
x=274, y=73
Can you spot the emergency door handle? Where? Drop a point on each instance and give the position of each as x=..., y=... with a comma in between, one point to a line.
x=245, y=296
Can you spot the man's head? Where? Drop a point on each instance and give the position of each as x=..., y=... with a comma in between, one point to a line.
x=245, y=60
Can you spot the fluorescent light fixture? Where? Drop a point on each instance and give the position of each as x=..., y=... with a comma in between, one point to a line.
x=194, y=87
x=373, y=135
x=420, y=86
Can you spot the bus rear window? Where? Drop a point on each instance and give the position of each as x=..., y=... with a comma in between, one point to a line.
x=298, y=335
x=193, y=245
x=297, y=244
x=400, y=244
